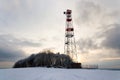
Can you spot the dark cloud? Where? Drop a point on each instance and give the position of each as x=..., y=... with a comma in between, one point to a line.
x=10, y=47
x=19, y=42
x=86, y=44
x=10, y=53
x=112, y=37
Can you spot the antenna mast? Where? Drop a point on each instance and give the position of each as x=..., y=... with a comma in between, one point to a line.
x=70, y=45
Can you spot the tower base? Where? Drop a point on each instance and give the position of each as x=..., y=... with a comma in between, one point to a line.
x=75, y=65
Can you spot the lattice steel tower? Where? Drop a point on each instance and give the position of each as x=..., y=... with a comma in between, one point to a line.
x=70, y=45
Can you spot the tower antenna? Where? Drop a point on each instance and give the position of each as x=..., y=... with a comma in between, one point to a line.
x=70, y=45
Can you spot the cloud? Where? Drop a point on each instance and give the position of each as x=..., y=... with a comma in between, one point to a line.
x=19, y=42
x=22, y=14
x=112, y=39
x=10, y=54
x=95, y=21
x=11, y=47
x=95, y=16
x=100, y=29
x=86, y=44
x=30, y=18
x=112, y=63
x=109, y=59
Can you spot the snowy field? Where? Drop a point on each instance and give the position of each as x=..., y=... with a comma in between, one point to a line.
x=58, y=74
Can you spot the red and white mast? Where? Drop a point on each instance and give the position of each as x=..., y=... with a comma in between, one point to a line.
x=70, y=45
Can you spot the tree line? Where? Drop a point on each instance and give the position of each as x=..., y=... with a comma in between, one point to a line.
x=45, y=59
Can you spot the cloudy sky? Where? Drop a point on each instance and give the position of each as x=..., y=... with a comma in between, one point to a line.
x=30, y=26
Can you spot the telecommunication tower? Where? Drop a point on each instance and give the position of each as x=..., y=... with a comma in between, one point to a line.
x=70, y=45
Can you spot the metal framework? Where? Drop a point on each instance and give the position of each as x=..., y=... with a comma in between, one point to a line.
x=70, y=45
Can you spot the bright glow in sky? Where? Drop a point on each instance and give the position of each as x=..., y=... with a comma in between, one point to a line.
x=29, y=26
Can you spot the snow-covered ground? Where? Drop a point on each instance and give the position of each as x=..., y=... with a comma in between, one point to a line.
x=58, y=74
